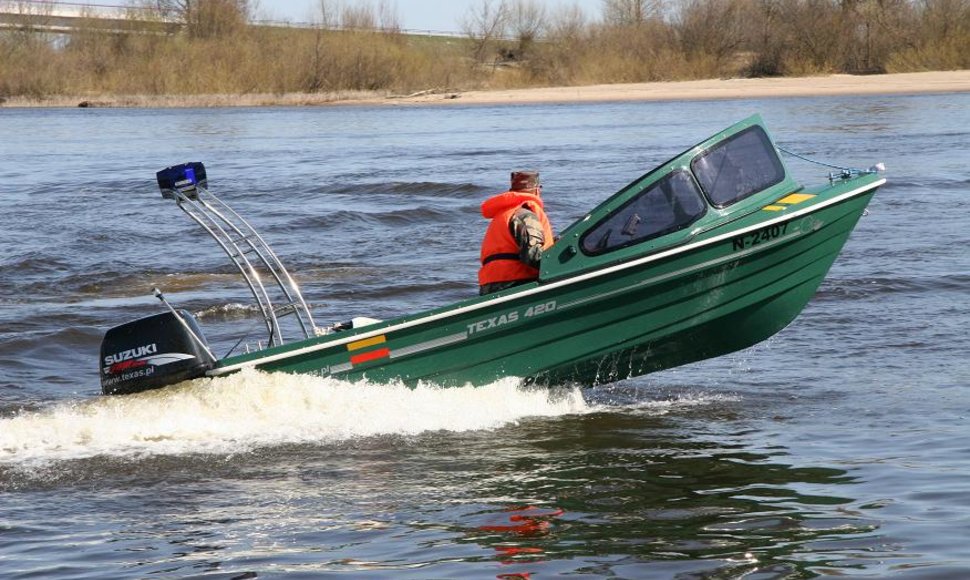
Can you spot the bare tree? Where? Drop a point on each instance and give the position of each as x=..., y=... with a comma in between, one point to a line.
x=526, y=21
x=358, y=17
x=329, y=12
x=566, y=23
x=560, y=57
x=945, y=19
x=879, y=28
x=27, y=53
x=484, y=24
x=387, y=16
x=30, y=8
x=712, y=30
x=204, y=18
x=766, y=37
x=814, y=35
x=30, y=14
x=361, y=15
x=631, y=12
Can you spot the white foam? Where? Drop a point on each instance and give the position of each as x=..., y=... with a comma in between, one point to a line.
x=253, y=409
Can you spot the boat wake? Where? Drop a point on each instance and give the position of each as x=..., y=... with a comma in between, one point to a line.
x=252, y=409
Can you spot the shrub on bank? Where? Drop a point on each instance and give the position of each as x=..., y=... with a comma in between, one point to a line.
x=701, y=39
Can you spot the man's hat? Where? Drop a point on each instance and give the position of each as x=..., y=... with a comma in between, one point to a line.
x=525, y=180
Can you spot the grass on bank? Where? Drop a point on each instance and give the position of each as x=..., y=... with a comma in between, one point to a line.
x=703, y=39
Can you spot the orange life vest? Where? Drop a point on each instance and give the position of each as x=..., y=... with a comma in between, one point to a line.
x=500, y=252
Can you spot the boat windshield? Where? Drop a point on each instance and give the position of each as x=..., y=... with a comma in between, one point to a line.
x=738, y=167
x=670, y=204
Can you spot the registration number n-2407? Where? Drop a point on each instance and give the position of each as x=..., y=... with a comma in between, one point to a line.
x=765, y=234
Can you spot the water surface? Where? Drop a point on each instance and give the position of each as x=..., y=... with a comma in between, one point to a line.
x=838, y=447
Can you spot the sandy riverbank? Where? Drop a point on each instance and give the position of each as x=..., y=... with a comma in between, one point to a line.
x=903, y=83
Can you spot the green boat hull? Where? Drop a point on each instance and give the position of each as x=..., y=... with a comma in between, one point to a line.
x=710, y=293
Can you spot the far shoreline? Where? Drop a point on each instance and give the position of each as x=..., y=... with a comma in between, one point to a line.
x=937, y=82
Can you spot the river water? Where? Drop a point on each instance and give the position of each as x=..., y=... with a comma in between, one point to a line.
x=837, y=448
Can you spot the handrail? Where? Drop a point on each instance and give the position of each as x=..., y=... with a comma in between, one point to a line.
x=280, y=295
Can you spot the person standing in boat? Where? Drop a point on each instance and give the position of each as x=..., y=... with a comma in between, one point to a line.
x=516, y=237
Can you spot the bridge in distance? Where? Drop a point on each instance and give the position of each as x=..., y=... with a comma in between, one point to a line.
x=66, y=17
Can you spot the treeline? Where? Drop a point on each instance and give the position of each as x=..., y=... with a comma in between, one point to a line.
x=191, y=47
x=652, y=40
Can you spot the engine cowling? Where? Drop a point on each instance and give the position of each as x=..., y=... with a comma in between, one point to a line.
x=153, y=352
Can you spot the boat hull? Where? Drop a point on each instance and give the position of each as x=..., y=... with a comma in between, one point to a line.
x=727, y=289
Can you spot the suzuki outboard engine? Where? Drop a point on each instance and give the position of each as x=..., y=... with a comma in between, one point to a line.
x=153, y=352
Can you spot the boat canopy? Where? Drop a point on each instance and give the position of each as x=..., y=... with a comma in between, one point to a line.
x=727, y=176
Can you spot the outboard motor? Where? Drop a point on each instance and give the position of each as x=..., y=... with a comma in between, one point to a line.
x=164, y=349
x=153, y=352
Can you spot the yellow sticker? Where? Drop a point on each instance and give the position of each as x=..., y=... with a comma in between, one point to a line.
x=795, y=198
x=366, y=342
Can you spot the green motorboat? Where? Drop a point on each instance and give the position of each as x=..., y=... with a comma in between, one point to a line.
x=709, y=253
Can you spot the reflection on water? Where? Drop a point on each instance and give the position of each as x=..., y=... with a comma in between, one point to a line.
x=633, y=489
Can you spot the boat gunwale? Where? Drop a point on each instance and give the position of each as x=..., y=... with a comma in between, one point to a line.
x=541, y=288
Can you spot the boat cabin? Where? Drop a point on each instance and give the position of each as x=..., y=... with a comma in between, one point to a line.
x=731, y=174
